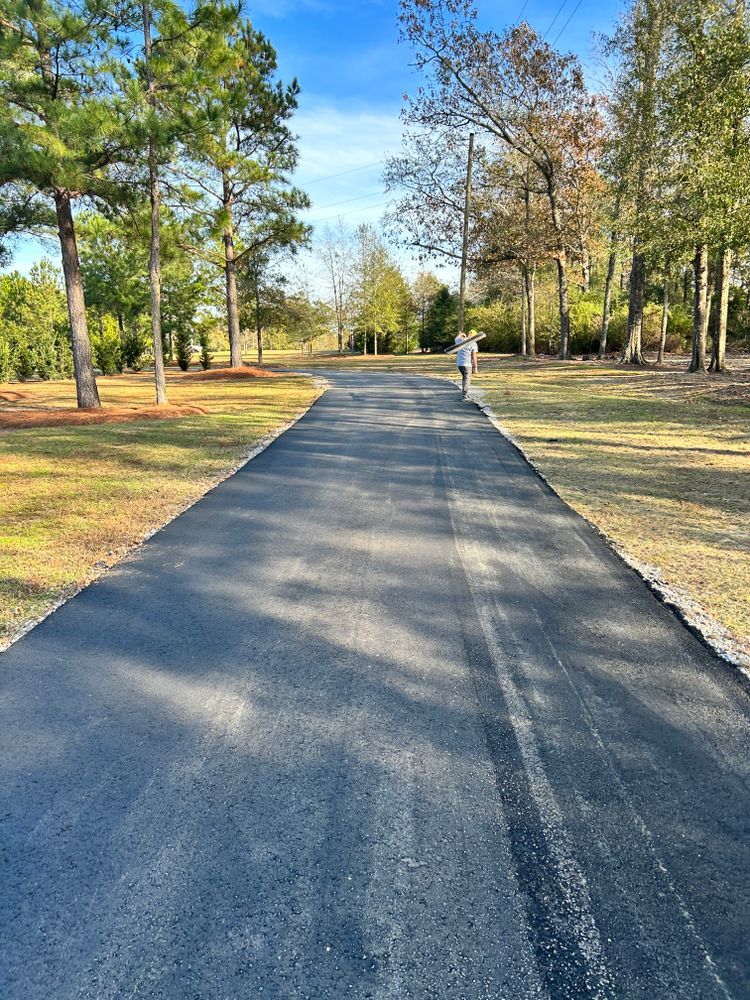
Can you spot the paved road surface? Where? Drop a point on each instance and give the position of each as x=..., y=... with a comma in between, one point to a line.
x=379, y=717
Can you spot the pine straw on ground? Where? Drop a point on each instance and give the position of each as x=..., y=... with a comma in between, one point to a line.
x=219, y=374
x=17, y=418
x=75, y=498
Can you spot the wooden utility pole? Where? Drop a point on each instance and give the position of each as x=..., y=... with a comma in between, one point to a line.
x=465, y=244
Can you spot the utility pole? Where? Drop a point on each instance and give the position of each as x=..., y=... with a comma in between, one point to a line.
x=465, y=245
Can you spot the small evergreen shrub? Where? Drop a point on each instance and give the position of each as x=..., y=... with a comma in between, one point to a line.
x=46, y=360
x=134, y=350
x=23, y=363
x=5, y=360
x=107, y=353
x=64, y=354
x=205, y=355
x=183, y=348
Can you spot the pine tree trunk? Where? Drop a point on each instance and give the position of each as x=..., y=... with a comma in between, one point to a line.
x=531, y=309
x=606, y=311
x=633, y=351
x=83, y=369
x=154, y=280
x=375, y=344
x=230, y=272
x=664, y=320
x=700, y=309
x=258, y=328
x=524, y=328
x=719, y=352
x=233, y=316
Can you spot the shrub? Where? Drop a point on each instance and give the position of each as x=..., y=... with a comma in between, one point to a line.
x=183, y=348
x=205, y=355
x=64, y=354
x=501, y=323
x=618, y=328
x=679, y=329
x=46, y=359
x=5, y=360
x=585, y=324
x=23, y=363
x=134, y=350
x=106, y=345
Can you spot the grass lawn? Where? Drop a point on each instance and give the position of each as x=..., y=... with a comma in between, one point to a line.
x=75, y=498
x=657, y=459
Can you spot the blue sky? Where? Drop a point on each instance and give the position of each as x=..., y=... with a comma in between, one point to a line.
x=353, y=73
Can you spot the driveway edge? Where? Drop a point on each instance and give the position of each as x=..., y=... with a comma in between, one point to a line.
x=99, y=570
x=711, y=633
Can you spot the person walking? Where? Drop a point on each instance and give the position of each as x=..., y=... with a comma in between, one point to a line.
x=466, y=359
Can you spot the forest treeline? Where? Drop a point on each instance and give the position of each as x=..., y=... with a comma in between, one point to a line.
x=156, y=144
x=629, y=206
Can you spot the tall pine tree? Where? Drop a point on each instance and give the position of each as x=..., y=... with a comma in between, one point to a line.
x=60, y=130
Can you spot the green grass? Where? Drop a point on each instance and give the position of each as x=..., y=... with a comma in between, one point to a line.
x=76, y=498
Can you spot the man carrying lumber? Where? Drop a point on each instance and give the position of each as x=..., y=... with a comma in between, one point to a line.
x=466, y=359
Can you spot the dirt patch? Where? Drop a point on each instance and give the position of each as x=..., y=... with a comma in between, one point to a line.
x=8, y=396
x=217, y=374
x=18, y=419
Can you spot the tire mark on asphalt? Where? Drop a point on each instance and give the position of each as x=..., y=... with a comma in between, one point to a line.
x=566, y=938
x=682, y=911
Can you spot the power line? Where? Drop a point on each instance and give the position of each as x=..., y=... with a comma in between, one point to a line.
x=520, y=13
x=321, y=208
x=330, y=177
x=340, y=215
x=567, y=23
x=559, y=12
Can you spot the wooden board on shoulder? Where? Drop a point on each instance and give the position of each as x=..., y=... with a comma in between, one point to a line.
x=462, y=343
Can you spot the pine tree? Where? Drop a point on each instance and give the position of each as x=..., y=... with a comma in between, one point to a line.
x=240, y=162
x=60, y=130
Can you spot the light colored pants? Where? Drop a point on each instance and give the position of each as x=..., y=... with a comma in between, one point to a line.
x=465, y=379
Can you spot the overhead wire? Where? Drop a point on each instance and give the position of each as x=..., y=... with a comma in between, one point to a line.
x=572, y=14
x=341, y=215
x=330, y=177
x=321, y=208
x=552, y=22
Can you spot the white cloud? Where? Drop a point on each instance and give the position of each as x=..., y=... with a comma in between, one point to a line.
x=342, y=154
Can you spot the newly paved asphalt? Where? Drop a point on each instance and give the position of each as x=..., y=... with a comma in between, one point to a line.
x=379, y=717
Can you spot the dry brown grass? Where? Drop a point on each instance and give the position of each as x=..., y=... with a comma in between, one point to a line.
x=75, y=498
x=657, y=459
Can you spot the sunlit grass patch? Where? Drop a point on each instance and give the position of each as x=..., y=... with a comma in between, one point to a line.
x=75, y=498
x=657, y=459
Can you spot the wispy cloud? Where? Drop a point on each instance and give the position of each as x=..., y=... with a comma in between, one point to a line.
x=333, y=138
